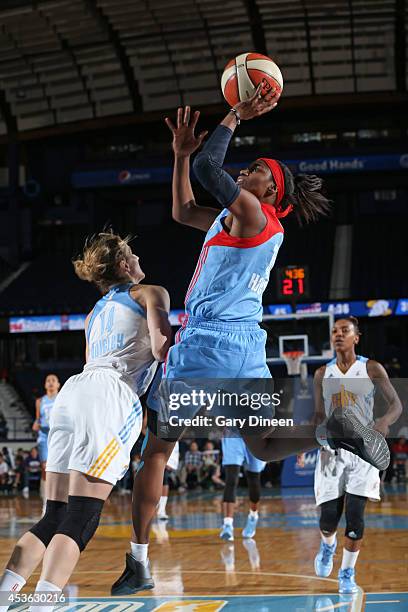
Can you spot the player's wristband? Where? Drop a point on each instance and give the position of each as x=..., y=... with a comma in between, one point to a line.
x=237, y=115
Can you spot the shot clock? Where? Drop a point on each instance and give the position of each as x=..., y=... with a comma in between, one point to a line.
x=293, y=282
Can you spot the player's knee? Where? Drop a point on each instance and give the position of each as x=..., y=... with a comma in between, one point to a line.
x=231, y=482
x=81, y=519
x=355, y=507
x=46, y=528
x=254, y=486
x=329, y=517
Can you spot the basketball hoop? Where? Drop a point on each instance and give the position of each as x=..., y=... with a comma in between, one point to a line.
x=293, y=360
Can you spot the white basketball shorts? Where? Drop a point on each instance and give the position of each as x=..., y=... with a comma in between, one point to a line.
x=344, y=472
x=95, y=421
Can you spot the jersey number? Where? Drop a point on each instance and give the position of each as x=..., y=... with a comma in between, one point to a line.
x=108, y=318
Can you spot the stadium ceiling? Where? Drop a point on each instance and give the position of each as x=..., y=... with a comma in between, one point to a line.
x=64, y=61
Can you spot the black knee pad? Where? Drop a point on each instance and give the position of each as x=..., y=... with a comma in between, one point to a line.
x=330, y=515
x=355, y=507
x=231, y=483
x=81, y=519
x=254, y=486
x=46, y=528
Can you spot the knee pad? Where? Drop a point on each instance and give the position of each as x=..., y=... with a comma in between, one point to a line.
x=254, y=486
x=231, y=482
x=46, y=528
x=81, y=519
x=330, y=515
x=355, y=507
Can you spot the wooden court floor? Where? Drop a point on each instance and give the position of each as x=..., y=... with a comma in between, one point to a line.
x=189, y=559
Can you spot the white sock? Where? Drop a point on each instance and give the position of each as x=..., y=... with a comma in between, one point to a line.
x=139, y=552
x=228, y=520
x=330, y=540
x=10, y=582
x=253, y=514
x=349, y=559
x=162, y=505
x=43, y=586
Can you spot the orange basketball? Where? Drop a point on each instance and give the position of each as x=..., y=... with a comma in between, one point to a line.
x=243, y=74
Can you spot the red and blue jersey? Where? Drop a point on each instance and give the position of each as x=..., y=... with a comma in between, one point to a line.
x=232, y=273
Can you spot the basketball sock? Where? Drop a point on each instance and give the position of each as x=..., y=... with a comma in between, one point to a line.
x=161, y=509
x=43, y=586
x=10, y=582
x=139, y=552
x=228, y=520
x=349, y=559
x=253, y=514
x=330, y=540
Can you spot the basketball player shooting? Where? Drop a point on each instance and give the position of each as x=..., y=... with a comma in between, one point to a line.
x=221, y=337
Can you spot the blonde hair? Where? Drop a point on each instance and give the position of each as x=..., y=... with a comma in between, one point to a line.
x=99, y=263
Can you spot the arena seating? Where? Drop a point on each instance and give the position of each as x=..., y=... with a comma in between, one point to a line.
x=379, y=254
x=18, y=420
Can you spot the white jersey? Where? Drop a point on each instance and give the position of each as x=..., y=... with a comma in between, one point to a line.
x=353, y=388
x=118, y=337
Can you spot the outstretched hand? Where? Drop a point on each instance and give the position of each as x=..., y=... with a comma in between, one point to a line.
x=185, y=141
x=258, y=104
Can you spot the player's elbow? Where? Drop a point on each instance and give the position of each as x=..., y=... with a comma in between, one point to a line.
x=160, y=353
x=202, y=167
x=160, y=348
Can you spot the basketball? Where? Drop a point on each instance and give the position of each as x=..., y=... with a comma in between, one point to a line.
x=243, y=74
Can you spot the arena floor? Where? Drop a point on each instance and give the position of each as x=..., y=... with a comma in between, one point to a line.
x=273, y=573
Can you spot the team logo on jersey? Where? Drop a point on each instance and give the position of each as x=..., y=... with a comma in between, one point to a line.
x=344, y=398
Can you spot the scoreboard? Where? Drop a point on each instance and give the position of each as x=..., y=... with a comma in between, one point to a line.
x=293, y=282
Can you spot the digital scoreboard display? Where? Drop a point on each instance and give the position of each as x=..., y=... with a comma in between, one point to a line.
x=293, y=282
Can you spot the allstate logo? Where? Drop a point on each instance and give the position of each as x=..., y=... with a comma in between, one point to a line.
x=404, y=161
x=124, y=176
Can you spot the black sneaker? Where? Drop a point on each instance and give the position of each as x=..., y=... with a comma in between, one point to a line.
x=136, y=577
x=344, y=430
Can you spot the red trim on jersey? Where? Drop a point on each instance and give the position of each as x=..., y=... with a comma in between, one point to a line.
x=177, y=339
x=199, y=267
x=272, y=227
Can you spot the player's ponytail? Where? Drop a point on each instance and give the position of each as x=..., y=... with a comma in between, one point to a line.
x=99, y=262
x=303, y=191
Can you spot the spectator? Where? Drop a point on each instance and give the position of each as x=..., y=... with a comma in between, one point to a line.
x=193, y=463
x=211, y=471
x=400, y=452
x=3, y=427
x=21, y=476
x=4, y=474
x=33, y=468
x=8, y=457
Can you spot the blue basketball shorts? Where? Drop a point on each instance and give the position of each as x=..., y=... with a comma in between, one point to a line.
x=42, y=446
x=235, y=452
x=208, y=350
x=217, y=349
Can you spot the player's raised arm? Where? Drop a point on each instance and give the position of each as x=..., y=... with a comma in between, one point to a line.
x=185, y=142
x=244, y=205
x=380, y=378
x=157, y=308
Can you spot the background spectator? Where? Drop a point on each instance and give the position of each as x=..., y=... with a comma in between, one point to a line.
x=4, y=474
x=33, y=468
